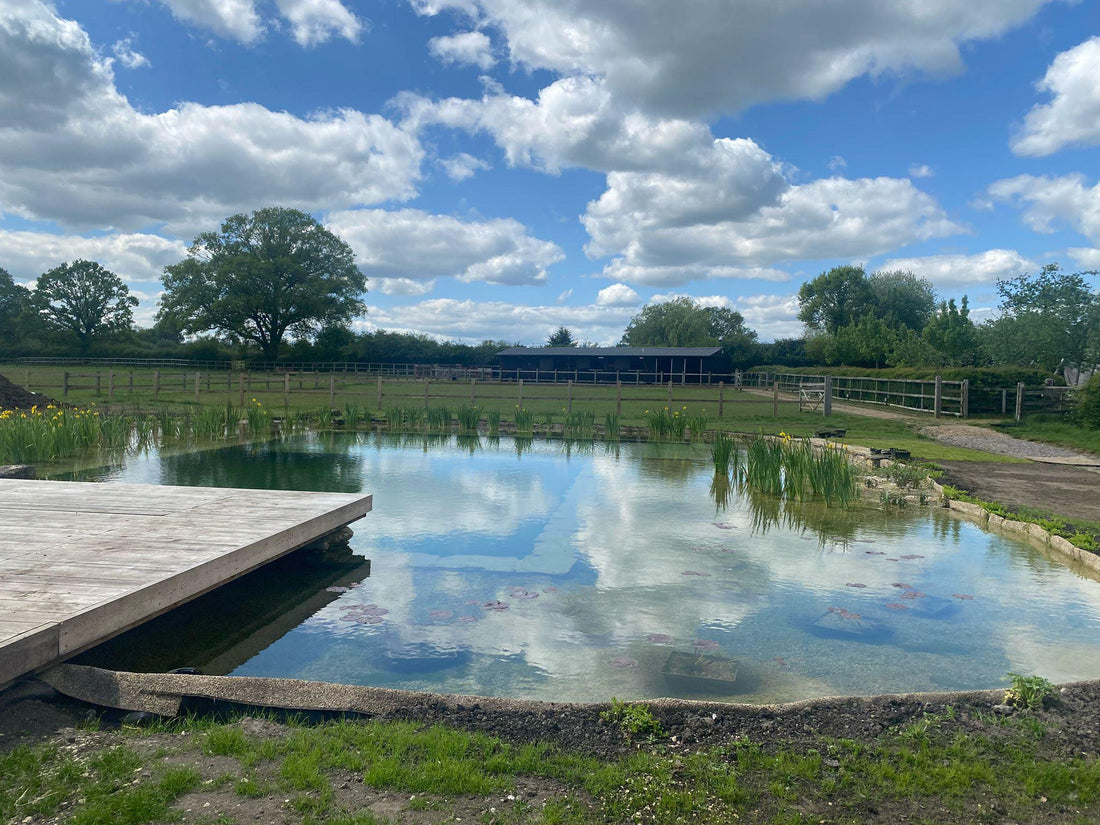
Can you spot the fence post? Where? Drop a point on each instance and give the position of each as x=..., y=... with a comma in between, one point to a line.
x=618, y=398
x=379, y=405
x=240, y=387
x=721, y=398
x=98, y=380
x=965, y=388
x=1020, y=401
x=198, y=378
x=669, y=397
x=332, y=390
x=827, y=401
x=519, y=404
x=425, y=393
x=473, y=391
x=775, y=399
x=937, y=397
x=286, y=394
x=27, y=380
x=110, y=385
x=183, y=381
x=570, y=410
x=156, y=383
x=1004, y=401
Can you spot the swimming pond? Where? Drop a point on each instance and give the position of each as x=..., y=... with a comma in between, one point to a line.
x=557, y=571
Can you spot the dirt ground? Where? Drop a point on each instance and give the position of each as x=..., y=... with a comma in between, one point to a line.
x=14, y=397
x=1071, y=492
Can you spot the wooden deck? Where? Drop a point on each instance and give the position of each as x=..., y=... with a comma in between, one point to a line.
x=81, y=562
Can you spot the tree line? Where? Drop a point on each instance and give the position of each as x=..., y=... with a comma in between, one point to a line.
x=278, y=285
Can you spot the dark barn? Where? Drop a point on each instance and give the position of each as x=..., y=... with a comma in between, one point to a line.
x=631, y=365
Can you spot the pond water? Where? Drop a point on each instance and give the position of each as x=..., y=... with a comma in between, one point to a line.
x=545, y=570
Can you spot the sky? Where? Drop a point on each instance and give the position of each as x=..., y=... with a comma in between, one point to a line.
x=505, y=167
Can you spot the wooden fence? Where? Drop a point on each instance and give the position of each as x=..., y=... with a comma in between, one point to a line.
x=157, y=387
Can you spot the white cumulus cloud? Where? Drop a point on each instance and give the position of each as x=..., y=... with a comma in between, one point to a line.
x=1072, y=117
x=465, y=48
x=960, y=270
x=316, y=21
x=716, y=56
x=463, y=166
x=475, y=321
x=75, y=151
x=922, y=170
x=617, y=295
x=124, y=53
x=1049, y=203
x=233, y=19
x=418, y=246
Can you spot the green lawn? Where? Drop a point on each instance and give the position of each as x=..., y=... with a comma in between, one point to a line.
x=935, y=769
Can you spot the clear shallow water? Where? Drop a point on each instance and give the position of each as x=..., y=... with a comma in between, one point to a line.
x=616, y=567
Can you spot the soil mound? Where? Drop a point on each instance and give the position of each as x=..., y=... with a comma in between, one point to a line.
x=13, y=397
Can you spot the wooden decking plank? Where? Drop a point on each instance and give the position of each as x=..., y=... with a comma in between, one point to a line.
x=81, y=562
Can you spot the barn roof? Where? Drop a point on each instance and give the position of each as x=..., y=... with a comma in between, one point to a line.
x=617, y=352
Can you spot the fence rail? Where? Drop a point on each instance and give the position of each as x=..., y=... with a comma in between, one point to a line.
x=157, y=387
x=179, y=382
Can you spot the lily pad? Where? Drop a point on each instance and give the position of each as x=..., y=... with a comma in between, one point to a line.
x=497, y=605
x=659, y=638
x=704, y=644
x=439, y=614
x=896, y=606
x=963, y=596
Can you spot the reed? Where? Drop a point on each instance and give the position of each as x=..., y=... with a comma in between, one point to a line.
x=395, y=419
x=548, y=423
x=580, y=424
x=414, y=419
x=726, y=456
x=697, y=425
x=611, y=426
x=258, y=419
x=468, y=419
x=525, y=421
x=492, y=418
x=439, y=419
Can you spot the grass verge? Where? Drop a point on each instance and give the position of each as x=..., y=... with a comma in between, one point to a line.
x=942, y=768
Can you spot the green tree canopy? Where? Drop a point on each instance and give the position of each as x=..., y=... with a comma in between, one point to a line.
x=902, y=299
x=835, y=299
x=14, y=300
x=264, y=275
x=1048, y=319
x=562, y=337
x=684, y=323
x=84, y=298
x=953, y=335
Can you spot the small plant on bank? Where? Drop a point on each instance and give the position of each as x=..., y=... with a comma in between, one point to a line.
x=1028, y=692
x=635, y=720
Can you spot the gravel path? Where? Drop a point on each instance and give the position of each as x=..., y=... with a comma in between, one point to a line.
x=991, y=441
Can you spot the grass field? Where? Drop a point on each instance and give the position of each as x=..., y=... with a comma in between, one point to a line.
x=742, y=411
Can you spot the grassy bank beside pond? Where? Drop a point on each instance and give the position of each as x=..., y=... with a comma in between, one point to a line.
x=357, y=401
x=946, y=767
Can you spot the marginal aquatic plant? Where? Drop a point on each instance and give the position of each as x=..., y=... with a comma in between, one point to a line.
x=468, y=419
x=525, y=421
x=439, y=419
x=492, y=418
x=611, y=426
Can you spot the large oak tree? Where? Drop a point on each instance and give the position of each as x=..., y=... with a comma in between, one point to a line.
x=261, y=276
x=84, y=298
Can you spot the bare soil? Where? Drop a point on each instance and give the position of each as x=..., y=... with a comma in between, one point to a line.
x=1070, y=492
x=14, y=397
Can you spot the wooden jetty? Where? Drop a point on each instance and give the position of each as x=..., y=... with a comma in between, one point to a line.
x=81, y=562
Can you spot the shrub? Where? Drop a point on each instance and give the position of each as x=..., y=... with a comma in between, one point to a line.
x=1087, y=411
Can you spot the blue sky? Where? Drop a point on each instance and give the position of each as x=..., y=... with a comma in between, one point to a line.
x=503, y=167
